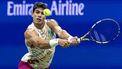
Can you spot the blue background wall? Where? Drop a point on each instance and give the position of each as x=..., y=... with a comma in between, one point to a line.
x=87, y=55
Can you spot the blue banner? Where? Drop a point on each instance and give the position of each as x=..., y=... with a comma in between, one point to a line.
x=77, y=17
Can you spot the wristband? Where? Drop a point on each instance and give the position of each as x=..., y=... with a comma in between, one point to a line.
x=53, y=42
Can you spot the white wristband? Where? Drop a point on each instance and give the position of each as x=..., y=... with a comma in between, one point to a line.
x=53, y=42
x=69, y=39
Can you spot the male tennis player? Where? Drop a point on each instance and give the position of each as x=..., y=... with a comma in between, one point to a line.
x=41, y=40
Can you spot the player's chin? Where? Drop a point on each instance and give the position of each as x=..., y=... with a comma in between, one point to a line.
x=39, y=21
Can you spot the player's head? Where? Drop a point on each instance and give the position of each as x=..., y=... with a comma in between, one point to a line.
x=37, y=13
x=39, y=5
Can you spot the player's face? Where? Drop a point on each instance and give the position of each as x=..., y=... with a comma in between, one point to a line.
x=38, y=16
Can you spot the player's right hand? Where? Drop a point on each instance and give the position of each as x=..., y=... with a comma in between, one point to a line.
x=63, y=43
x=74, y=40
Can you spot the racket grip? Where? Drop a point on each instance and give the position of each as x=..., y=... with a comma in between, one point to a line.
x=84, y=39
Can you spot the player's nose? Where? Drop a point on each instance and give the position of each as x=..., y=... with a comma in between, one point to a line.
x=39, y=15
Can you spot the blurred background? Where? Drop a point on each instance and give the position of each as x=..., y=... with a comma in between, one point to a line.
x=15, y=16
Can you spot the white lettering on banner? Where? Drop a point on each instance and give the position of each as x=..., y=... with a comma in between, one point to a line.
x=57, y=8
x=67, y=8
x=19, y=9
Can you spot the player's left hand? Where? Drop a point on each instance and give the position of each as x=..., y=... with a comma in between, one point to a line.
x=74, y=41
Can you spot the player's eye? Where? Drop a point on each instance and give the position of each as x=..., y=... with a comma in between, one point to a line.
x=37, y=12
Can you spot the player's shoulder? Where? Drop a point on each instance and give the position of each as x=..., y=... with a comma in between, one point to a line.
x=51, y=21
x=29, y=33
x=30, y=28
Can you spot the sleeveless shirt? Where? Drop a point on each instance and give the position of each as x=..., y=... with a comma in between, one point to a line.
x=37, y=57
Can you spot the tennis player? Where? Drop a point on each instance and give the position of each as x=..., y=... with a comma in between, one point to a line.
x=41, y=41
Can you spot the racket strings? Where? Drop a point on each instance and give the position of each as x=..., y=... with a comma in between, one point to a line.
x=105, y=31
x=99, y=37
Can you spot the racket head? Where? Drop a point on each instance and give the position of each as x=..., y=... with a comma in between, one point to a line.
x=104, y=31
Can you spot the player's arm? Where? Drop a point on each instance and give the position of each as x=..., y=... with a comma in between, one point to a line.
x=58, y=30
x=62, y=33
x=33, y=39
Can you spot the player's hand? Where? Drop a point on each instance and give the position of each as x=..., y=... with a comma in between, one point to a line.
x=63, y=43
x=74, y=40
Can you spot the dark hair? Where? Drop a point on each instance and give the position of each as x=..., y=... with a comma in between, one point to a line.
x=39, y=5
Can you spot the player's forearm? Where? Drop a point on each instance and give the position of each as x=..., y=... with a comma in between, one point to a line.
x=37, y=42
x=33, y=40
x=64, y=34
x=44, y=44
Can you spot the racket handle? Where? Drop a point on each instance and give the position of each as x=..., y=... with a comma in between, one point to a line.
x=84, y=39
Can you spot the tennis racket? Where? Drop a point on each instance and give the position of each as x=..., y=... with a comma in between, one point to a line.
x=103, y=31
